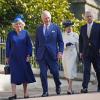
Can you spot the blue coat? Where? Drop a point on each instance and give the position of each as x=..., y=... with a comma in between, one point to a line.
x=93, y=41
x=53, y=42
x=17, y=49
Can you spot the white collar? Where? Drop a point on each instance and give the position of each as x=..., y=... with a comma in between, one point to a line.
x=47, y=25
x=90, y=24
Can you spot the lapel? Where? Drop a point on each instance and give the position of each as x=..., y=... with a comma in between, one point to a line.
x=92, y=30
x=41, y=32
x=85, y=31
x=49, y=29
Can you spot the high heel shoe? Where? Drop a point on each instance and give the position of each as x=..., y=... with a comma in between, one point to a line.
x=70, y=92
x=26, y=97
x=12, y=97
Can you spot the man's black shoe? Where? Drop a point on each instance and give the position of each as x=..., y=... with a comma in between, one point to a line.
x=98, y=90
x=12, y=97
x=58, y=90
x=45, y=94
x=84, y=90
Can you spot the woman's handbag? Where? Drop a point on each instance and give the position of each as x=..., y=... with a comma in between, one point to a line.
x=7, y=69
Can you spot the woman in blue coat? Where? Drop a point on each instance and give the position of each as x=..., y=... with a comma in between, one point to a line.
x=18, y=51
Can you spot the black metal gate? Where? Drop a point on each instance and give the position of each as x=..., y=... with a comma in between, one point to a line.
x=2, y=50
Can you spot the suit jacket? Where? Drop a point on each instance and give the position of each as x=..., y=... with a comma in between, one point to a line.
x=53, y=42
x=93, y=41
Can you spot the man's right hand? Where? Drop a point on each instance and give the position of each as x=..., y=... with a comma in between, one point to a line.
x=81, y=56
x=59, y=55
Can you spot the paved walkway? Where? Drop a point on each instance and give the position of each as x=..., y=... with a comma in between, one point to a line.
x=35, y=89
x=92, y=96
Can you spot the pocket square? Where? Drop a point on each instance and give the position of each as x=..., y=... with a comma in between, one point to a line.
x=53, y=30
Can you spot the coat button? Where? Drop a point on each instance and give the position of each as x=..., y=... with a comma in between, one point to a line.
x=89, y=44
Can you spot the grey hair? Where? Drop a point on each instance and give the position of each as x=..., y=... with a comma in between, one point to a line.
x=23, y=24
x=44, y=13
x=89, y=12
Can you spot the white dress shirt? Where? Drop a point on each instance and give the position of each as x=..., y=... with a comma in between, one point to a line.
x=89, y=26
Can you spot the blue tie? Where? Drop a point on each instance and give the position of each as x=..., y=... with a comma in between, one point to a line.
x=46, y=31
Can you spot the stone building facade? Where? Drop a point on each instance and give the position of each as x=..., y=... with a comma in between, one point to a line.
x=78, y=7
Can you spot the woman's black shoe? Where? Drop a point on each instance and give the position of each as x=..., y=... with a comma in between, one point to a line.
x=12, y=97
x=69, y=92
x=26, y=97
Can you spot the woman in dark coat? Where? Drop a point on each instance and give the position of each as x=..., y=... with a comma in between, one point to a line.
x=18, y=51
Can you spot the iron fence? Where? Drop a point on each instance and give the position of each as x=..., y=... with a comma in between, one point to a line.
x=2, y=50
x=32, y=60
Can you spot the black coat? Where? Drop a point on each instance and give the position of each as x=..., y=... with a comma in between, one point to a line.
x=86, y=45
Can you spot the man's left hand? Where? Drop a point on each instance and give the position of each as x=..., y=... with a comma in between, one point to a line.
x=59, y=55
x=28, y=58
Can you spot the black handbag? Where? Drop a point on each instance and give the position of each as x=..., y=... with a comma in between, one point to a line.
x=7, y=69
x=68, y=44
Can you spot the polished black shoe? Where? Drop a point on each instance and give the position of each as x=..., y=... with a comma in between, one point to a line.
x=98, y=90
x=84, y=90
x=58, y=90
x=45, y=94
x=12, y=97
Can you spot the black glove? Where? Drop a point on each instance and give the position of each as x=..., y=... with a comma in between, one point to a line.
x=68, y=44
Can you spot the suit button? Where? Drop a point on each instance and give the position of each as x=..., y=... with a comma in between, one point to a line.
x=89, y=44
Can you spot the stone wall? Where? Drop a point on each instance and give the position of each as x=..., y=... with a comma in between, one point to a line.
x=78, y=7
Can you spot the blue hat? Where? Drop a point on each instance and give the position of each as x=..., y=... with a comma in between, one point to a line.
x=20, y=16
x=67, y=23
x=16, y=20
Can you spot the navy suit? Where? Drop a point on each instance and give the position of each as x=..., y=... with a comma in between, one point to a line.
x=46, y=50
x=90, y=47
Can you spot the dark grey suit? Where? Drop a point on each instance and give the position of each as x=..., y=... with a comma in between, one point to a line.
x=90, y=48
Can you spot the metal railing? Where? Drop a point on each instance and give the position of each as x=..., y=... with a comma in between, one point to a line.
x=2, y=50
x=32, y=60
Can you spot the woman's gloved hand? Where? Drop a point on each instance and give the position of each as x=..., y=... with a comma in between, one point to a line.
x=68, y=44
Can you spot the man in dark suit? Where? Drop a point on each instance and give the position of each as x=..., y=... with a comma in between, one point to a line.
x=48, y=50
x=89, y=47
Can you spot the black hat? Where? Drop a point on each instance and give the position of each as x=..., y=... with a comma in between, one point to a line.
x=67, y=23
